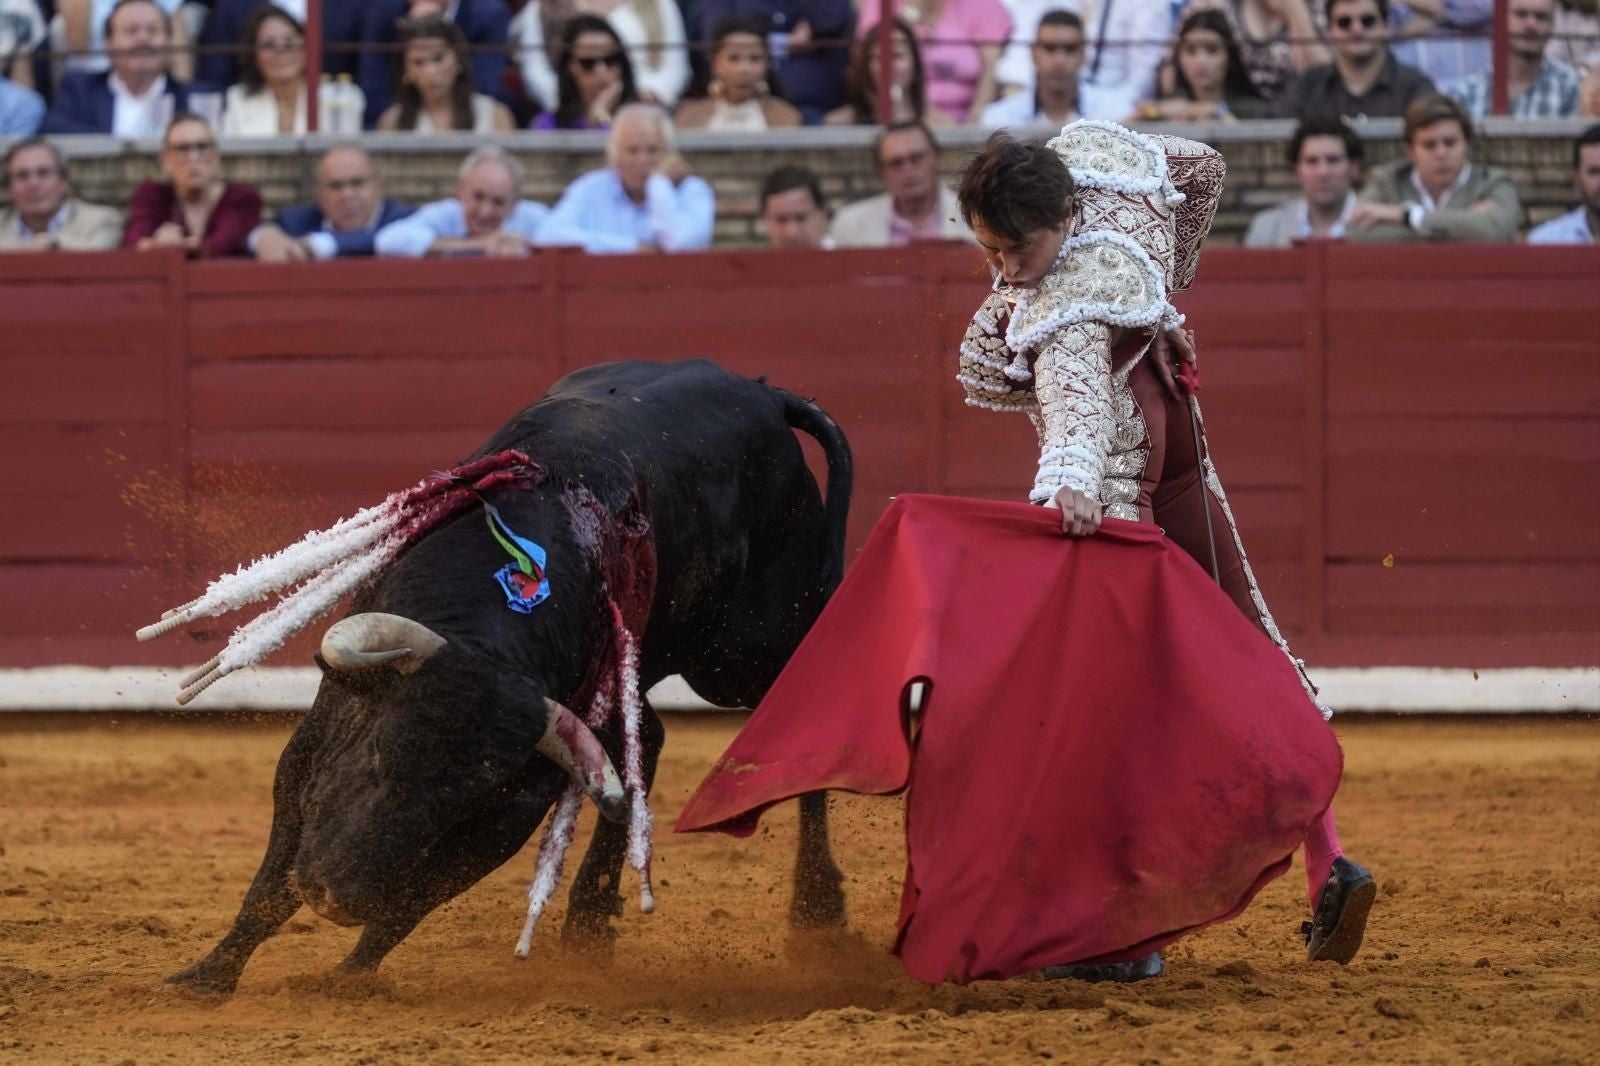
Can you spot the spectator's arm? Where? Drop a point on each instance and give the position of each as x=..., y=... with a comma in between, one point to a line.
x=564, y=225
x=235, y=220
x=413, y=237
x=1309, y=47
x=681, y=216
x=145, y=214
x=1495, y=217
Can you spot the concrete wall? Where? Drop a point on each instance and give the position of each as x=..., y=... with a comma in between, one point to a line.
x=1539, y=155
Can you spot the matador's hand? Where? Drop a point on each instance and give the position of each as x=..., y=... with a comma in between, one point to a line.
x=1080, y=516
x=1171, y=347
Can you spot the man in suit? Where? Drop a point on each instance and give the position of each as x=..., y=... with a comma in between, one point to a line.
x=485, y=23
x=916, y=207
x=135, y=98
x=1326, y=154
x=350, y=208
x=43, y=216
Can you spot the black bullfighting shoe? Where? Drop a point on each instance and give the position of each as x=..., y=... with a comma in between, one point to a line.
x=1335, y=931
x=1095, y=972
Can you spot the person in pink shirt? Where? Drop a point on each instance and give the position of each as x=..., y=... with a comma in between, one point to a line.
x=961, y=43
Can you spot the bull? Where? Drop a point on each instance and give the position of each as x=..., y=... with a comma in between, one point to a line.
x=426, y=761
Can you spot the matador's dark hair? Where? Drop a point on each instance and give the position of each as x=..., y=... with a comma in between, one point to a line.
x=1014, y=188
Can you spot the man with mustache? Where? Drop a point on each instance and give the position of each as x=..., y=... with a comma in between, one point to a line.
x=137, y=97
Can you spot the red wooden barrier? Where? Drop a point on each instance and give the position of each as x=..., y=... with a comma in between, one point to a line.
x=1438, y=408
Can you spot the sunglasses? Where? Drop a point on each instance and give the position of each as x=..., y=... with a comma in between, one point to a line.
x=192, y=147
x=1348, y=22
x=589, y=63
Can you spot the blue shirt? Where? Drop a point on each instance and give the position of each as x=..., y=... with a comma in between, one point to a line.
x=1570, y=228
x=21, y=110
x=596, y=213
x=445, y=218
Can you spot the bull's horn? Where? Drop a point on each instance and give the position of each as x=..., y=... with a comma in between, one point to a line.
x=568, y=743
x=365, y=641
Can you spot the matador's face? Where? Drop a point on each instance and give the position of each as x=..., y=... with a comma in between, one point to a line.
x=1021, y=263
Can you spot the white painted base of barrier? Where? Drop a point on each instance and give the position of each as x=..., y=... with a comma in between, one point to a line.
x=1389, y=689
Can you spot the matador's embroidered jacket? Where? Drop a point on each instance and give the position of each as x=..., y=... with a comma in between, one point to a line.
x=1062, y=352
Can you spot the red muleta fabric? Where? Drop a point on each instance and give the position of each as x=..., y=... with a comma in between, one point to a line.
x=1109, y=755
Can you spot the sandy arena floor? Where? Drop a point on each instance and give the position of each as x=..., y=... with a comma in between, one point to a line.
x=125, y=849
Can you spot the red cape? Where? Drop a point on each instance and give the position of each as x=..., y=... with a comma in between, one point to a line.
x=1110, y=755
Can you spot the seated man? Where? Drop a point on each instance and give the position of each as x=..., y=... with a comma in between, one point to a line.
x=487, y=216
x=1434, y=194
x=793, y=212
x=645, y=201
x=1364, y=77
x=485, y=23
x=1326, y=155
x=345, y=220
x=1538, y=86
x=917, y=207
x=43, y=215
x=1060, y=92
x=1581, y=225
x=136, y=98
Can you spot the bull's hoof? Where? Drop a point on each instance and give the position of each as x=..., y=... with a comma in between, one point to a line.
x=818, y=899
x=205, y=979
x=589, y=933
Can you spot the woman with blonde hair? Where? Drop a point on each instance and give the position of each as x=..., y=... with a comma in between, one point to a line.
x=434, y=75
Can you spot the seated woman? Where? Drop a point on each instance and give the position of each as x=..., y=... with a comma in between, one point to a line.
x=270, y=98
x=961, y=43
x=594, y=77
x=908, y=95
x=651, y=31
x=1211, y=83
x=1435, y=194
x=434, y=73
x=1278, y=39
x=743, y=93
x=194, y=209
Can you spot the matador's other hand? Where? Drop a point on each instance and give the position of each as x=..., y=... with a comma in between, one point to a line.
x=1080, y=516
x=1171, y=347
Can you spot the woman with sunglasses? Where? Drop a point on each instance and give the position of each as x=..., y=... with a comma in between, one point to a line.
x=1210, y=81
x=194, y=209
x=270, y=98
x=594, y=77
x=743, y=93
x=651, y=31
x=908, y=95
x=434, y=74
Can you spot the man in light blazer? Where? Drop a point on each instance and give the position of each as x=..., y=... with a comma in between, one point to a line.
x=916, y=207
x=1326, y=154
x=43, y=216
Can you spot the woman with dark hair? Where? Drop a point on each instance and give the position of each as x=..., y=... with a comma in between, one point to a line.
x=270, y=98
x=1210, y=81
x=961, y=42
x=1278, y=39
x=434, y=73
x=743, y=92
x=196, y=208
x=908, y=94
x=594, y=77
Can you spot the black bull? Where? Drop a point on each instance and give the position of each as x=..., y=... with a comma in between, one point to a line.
x=400, y=790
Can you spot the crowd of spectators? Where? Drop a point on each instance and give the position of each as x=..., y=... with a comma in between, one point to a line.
x=193, y=72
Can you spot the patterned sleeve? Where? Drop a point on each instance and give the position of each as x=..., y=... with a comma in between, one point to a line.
x=1197, y=171
x=992, y=375
x=1072, y=380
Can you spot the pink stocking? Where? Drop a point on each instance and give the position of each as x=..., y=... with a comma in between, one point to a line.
x=1322, y=847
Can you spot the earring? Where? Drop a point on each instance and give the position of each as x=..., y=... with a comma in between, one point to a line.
x=714, y=90
x=763, y=89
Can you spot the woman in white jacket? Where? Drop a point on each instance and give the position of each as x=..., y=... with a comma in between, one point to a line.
x=270, y=99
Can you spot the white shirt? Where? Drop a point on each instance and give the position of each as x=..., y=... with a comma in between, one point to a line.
x=135, y=116
x=597, y=213
x=1335, y=230
x=1570, y=228
x=1416, y=212
x=1094, y=102
x=1136, y=32
x=53, y=227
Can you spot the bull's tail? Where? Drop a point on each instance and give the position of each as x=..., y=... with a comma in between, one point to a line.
x=807, y=417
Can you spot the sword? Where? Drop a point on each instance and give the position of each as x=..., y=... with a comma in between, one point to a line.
x=1189, y=380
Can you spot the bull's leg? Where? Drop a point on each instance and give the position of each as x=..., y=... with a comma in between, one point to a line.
x=270, y=900
x=473, y=852
x=818, y=881
x=596, y=895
